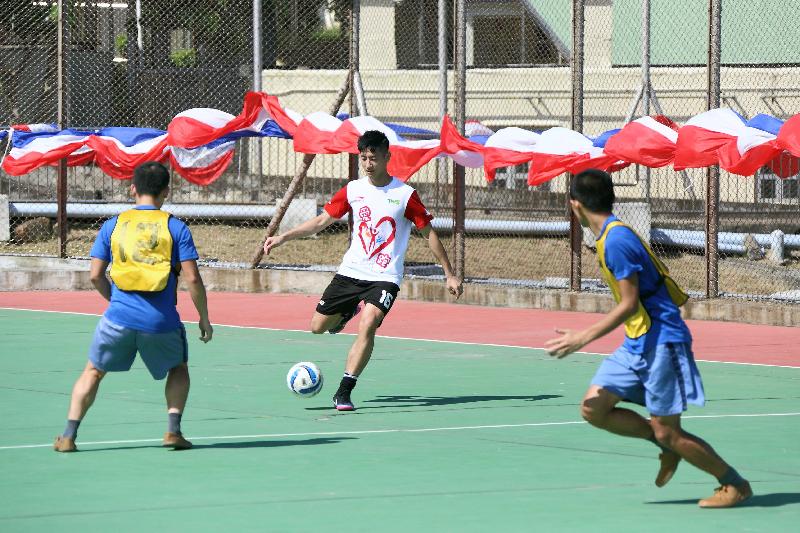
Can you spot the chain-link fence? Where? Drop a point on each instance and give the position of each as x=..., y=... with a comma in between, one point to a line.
x=759, y=76
x=139, y=63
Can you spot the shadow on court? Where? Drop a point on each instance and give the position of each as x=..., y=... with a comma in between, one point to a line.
x=278, y=443
x=776, y=499
x=437, y=401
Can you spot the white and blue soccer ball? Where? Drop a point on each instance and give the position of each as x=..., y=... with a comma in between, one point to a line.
x=304, y=379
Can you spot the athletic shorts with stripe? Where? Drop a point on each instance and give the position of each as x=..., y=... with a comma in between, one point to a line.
x=664, y=379
x=344, y=294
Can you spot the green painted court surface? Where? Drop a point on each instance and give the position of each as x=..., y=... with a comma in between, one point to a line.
x=448, y=437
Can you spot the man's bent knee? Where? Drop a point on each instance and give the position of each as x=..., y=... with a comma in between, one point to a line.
x=371, y=319
x=596, y=405
x=93, y=372
x=666, y=429
x=319, y=324
x=179, y=369
x=592, y=415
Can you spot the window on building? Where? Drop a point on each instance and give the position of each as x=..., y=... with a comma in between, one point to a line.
x=767, y=189
x=508, y=40
x=789, y=188
x=516, y=177
x=773, y=189
x=501, y=33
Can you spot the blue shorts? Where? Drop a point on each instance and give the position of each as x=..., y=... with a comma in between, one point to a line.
x=664, y=379
x=114, y=348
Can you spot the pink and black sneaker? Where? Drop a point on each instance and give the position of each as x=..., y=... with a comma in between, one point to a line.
x=342, y=402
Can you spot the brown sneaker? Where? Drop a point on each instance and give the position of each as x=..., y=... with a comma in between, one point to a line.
x=63, y=444
x=727, y=496
x=176, y=441
x=669, y=464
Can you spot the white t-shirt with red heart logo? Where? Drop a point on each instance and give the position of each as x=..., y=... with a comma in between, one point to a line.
x=382, y=218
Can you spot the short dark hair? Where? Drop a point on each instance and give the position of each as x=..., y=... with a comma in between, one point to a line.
x=150, y=178
x=374, y=141
x=594, y=189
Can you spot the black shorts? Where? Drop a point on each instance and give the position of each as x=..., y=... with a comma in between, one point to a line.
x=344, y=294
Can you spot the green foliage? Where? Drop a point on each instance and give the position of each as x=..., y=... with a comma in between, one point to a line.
x=184, y=58
x=120, y=44
x=332, y=34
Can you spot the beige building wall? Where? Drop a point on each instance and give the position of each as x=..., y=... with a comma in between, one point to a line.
x=533, y=98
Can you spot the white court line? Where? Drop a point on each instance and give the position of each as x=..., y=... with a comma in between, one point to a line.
x=379, y=431
x=401, y=338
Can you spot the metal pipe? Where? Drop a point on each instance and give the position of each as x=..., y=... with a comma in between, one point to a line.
x=258, y=68
x=644, y=172
x=84, y=210
x=459, y=176
x=443, y=163
x=352, y=159
x=506, y=227
x=257, y=61
x=361, y=101
x=712, y=181
x=61, y=180
x=358, y=87
x=575, y=230
x=730, y=242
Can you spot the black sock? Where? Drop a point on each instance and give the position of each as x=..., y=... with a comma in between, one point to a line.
x=71, y=431
x=731, y=477
x=347, y=384
x=175, y=422
x=654, y=440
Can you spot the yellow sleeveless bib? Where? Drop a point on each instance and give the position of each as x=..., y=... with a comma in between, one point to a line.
x=141, y=250
x=638, y=324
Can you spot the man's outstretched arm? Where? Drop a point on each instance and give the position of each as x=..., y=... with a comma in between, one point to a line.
x=572, y=341
x=454, y=285
x=306, y=229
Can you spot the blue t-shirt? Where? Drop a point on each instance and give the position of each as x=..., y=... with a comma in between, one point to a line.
x=151, y=312
x=625, y=256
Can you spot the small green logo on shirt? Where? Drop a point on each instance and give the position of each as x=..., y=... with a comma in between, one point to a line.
x=395, y=202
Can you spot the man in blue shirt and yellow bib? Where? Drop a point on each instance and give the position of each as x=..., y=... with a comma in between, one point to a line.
x=147, y=249
x=654, y=367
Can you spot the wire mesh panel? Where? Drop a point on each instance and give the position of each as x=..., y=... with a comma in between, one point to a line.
x=27, y=95
x=664, y=205
x=518, y=57
x=402, y=84
x=305, y=61
x=758, y=220
x=139, y=63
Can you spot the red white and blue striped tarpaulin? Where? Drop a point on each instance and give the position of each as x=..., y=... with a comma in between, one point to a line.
x=199, y=143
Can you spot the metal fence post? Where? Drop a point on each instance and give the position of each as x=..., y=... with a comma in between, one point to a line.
x=575, y=230
x=352, y=168
x=644, y=172
x=257, y=72
x=459, y=193
x=712, y=181
x=442, y=167
x=61, y=181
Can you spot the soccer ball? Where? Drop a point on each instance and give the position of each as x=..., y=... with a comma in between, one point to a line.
x=304, y=379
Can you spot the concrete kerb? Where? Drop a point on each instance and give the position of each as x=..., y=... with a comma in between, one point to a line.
x=19, y=273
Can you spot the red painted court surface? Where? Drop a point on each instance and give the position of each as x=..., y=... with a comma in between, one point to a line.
x=713, y=341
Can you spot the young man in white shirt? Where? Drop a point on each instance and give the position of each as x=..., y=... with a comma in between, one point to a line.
x=384, y=209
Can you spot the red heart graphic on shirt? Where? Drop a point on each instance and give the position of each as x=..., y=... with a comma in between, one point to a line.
x=369, y=234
